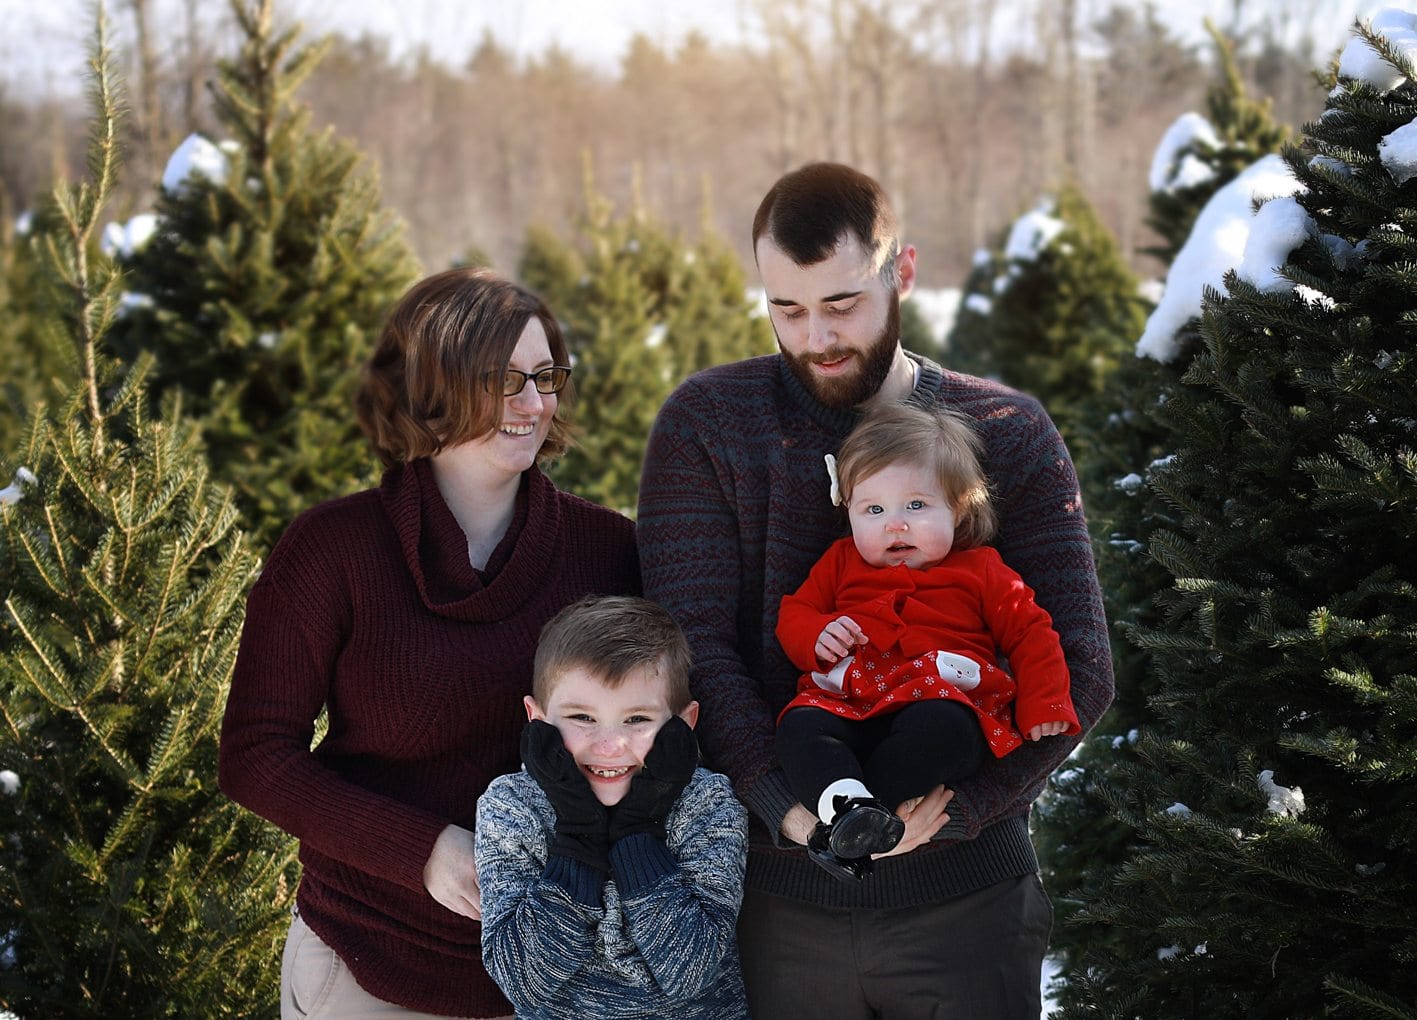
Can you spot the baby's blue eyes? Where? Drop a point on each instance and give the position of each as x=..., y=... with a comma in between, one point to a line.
x=914, y=504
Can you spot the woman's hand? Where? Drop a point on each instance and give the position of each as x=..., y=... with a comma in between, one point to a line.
x=838, y=638
x=450, y=876
x=923, y=817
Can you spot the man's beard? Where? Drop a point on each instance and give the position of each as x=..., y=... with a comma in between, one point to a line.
x=849, y=390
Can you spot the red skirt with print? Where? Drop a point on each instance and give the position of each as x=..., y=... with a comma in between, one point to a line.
x=877, y=682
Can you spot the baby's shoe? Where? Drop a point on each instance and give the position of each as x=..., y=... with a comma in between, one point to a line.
x=848, y=869
x=863, y=826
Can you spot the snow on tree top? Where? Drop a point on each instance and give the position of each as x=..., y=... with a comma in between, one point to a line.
x=1216, y=245
x=1173, y=167
x=1280, y=226
x=197, y=156
x=1396, y=27
x=1032, y=233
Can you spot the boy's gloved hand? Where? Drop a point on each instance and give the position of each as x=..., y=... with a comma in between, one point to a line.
x=656, y=787
x=581, y=820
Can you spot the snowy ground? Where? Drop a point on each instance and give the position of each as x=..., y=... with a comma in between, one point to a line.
x=1050, y=971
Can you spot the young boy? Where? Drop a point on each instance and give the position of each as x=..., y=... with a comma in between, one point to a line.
x=612, y=866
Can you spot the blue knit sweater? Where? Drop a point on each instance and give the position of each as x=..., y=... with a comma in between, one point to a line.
x=657, y=939
x=734, y=510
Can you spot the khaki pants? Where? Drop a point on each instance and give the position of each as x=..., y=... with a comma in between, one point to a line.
x=314, y=982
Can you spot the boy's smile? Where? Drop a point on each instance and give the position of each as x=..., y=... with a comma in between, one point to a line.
x=609, y=730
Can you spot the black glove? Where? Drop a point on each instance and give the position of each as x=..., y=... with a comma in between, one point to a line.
x=581, y=820
x=656, y=787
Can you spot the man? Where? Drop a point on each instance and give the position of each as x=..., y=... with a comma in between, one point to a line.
x=735, y=509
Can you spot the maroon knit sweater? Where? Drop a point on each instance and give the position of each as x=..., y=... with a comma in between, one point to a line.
x=369, y=605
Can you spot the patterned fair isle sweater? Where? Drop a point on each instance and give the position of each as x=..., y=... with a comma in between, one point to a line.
x=369, y=605
x=734, y=510
x=654, y=940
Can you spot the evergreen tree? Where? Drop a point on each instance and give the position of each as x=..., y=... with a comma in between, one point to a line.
x=1241, y=129
x=266, y=284
x=968, y=346
x=915, y=332
x=1066, y=310
x=1129, y=432
x=1270, y=798
x=642, y=309
x=131, y=886
x=36, y=368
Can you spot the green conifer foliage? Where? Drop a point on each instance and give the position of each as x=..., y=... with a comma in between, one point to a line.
x=37, y=368
x=642, y=309
x=915, y=332
x=1271, y=797
x=1245, y=130
x=968, y=348
x=268, y=286
x=1066, y=316
x=131, y=886
x=1127, y=438
x=1129, y=433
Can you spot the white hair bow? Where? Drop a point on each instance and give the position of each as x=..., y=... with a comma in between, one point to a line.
x=836, y=482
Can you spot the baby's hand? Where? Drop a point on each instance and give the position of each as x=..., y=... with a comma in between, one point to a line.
x=1047, y=729
x=838, y=638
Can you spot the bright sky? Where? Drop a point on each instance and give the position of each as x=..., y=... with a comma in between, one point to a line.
x=42, y=44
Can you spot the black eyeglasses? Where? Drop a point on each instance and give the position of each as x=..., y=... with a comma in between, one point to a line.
x=513, y=381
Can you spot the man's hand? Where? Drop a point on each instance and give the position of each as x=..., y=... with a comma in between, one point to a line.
x=450, y=876
x=923, y=817
x=798, y=823
x=838, y=638
x=1047, y=729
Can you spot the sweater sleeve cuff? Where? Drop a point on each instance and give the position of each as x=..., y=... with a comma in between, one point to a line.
x=582, y=882
x=770, y=800
x=639, y=861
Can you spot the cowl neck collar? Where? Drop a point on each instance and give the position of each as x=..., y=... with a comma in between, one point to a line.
x=435, y=548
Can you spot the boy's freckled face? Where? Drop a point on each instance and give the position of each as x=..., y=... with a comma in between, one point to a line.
x=608, y=730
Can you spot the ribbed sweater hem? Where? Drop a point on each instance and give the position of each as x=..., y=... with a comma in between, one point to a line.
x=639, y=861
x=930, y=874
x=581, y=882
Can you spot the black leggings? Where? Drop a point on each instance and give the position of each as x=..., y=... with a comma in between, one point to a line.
x=898, y=756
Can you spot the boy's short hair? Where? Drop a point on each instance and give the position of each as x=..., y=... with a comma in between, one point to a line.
x=942, y=441
x=809, y=210
x=423, y=387
x=610, y=636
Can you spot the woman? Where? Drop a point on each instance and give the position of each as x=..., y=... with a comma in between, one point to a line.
x=411, y=613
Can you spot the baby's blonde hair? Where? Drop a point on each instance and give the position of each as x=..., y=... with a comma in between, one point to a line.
x=938, y=440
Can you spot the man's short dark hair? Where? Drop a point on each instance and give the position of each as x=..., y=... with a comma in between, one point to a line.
x=809, y=210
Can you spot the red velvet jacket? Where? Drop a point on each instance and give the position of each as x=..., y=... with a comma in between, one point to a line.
x=970, y=604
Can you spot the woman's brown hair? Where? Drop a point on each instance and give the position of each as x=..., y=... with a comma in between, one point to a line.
x=423, y=387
